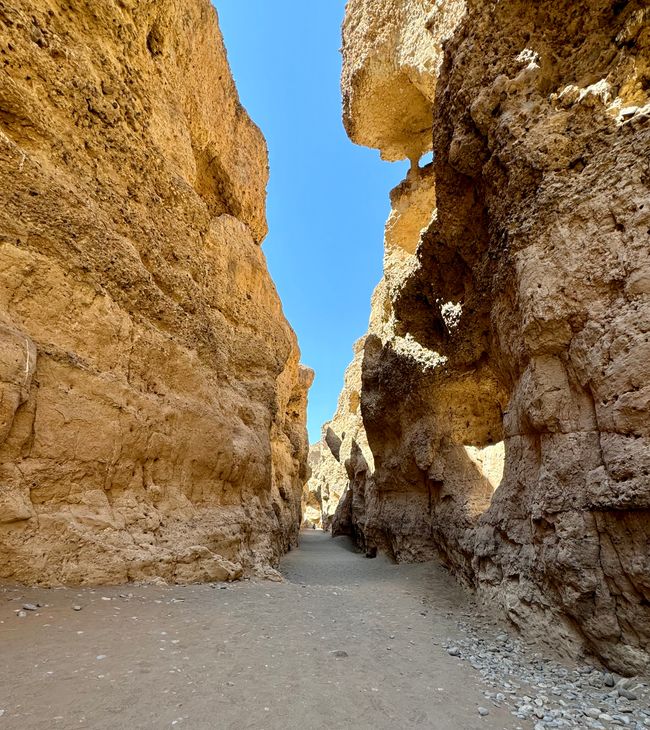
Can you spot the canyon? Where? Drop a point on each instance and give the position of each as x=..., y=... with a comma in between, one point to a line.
x=496, y=415
x=152, y=404
x=486, y=474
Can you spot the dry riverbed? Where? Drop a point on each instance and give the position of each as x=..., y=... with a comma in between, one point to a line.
x=343, y=642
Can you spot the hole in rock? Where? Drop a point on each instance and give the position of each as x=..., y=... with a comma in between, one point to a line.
x=155, y=40
x=426, y=159
x=451, y=313
x=488, y=461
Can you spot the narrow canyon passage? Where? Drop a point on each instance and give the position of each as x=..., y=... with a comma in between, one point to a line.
x=493, y=428
x=247, y=655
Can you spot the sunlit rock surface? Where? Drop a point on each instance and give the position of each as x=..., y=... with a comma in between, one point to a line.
x=152, y=407
x=504, y=396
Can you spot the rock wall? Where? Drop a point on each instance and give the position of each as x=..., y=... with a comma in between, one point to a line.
x=152, y=405
x=506, y=404
x=339, y=458
x=312, y=507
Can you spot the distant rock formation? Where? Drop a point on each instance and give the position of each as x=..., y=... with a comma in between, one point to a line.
x=312, y=507
x=152, y=406
x=338, y=459
x=504, y=389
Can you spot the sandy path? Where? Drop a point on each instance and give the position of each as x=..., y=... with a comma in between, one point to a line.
x=255, y=655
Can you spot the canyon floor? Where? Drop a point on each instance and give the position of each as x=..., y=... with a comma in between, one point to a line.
x=342, y=642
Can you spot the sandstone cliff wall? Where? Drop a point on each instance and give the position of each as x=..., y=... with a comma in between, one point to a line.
x=152, y=406
x=342, y=454
x=506, y=404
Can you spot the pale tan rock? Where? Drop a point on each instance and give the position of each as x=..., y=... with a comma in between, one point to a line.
x=312, y=507
x=504, y=387
x=152, y=417
x=392, y=51
x=342, y=449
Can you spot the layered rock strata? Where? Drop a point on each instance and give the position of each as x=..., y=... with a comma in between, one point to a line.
x=152, y=405
x=512, y=436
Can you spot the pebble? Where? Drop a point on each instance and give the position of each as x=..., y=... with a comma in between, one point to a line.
x=483, y=711
x=627, y=694
x=76, y=608
x=30, y=607
x=339, y=654
x=555, y=696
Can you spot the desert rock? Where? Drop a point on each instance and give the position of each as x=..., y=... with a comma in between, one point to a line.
x=504, y=392
x=152, y=405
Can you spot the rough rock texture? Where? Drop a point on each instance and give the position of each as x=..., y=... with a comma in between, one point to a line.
x=342, y=458
x=152, y=407
x=311, y=504
x=525, y=309
x=389, y=71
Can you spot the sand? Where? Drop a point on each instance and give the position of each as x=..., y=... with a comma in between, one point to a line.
x=343, y=642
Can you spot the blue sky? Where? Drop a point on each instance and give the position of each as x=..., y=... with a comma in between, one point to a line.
x=327, y=198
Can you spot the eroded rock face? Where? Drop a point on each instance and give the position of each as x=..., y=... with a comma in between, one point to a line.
x=152, y=406
x=529, y=290
x=312, y=507
x=341, y=452
x=389, y=71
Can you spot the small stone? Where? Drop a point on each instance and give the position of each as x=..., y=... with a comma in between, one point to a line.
x=99, y=657
x=608, y=680
x=339, y=654
x=453, y=651
x=21, y=614
x=483, y=711
x=30, y=607
x=621, y=719
x=76, y=608
x=627, y=693
x=592, y=712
